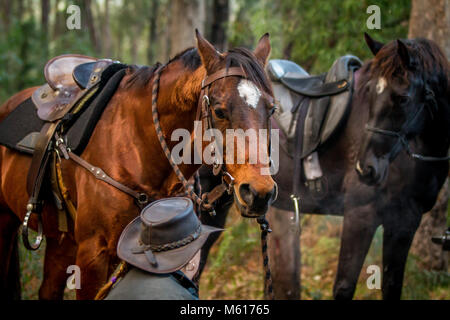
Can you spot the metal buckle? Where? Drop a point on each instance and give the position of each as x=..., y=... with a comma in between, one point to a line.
x=39, y=237
x=206, y=100
x=59, y=141
x=142, y=199
x=296, y=218
x=226, y=176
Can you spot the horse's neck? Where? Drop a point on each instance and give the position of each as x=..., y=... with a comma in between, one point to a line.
x=125, y=143
x=180, y=97
x=355, y=127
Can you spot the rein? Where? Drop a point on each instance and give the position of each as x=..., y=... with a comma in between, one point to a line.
x=402, y=141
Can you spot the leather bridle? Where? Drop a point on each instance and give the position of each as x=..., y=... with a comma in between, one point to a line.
x=204, y=114
x=402, y=141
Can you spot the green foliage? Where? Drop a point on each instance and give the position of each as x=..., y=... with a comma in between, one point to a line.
x=314, y=33
x=19, y=56
x=25, y=48
x=309, y=32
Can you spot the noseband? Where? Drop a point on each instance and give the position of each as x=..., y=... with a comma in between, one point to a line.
x=206, y=200
x=402, y=141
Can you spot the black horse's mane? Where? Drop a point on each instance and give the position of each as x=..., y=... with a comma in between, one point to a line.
x=238, y=57
x=427, y=61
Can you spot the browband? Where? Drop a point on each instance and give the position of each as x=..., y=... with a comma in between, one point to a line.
x=222, y=73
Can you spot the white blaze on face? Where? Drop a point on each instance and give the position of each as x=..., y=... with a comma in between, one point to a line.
x=249, y=93
x=381, y=85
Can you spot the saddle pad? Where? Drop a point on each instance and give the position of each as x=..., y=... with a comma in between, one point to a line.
x=22, y=122
x=80, y=132
x=21, y=126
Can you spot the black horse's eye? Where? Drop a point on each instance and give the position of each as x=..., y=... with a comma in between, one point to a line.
x=219, y=113
x=402, y=100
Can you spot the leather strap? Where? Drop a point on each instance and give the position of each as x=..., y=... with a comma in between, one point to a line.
x=298, y=162
x=141, y=198
x=223, y=73
x=98, y=173
x=40, y=159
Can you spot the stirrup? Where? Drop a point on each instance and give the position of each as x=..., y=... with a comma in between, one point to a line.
x=39, y=237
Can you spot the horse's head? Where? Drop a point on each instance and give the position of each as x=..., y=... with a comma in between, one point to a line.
x=402, y=88
x=240, y=109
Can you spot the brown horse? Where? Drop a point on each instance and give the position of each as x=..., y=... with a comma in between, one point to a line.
x=125, y=145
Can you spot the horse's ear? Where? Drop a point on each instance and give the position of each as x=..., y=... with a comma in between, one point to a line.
x=373, y=44
x=209, y=55
x=262, y=51
x=402, y=51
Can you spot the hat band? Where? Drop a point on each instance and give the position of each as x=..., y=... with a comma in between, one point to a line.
x=170, y=245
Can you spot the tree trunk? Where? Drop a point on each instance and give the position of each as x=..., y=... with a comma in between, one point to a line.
x=434, y=223
x=185, y=17
x=284, y=254
x=219, y=24
x=95, y=40
x=45, y=12
x=152, y=34
x=106, y=32
x=58, y=22
x=6, y=13
x=431, y=19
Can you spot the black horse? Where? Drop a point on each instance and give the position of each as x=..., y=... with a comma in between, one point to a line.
x=384, y=166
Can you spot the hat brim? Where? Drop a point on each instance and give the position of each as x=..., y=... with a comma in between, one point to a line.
x=167, y=261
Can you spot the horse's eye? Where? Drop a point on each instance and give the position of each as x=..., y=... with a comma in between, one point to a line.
x=219, y=113
x=402, y=100
x=272, y=111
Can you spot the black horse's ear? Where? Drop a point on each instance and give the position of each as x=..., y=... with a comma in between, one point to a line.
x=263, y=49
x=374, y=45
x=403, y=53
x=209, y=55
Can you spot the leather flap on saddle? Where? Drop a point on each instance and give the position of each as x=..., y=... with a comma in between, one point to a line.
x=68, y=77
x=326, y=113
x=343, y=68
x=325, y=97
x=53, y=104
x=58, y=71
x=88, y=74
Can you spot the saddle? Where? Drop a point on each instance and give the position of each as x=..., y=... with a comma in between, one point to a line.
x=67, y=77
x=311, y=109
x=65, y=111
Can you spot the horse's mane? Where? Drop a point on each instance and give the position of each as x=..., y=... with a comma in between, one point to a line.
x=238, y=57
x=427, y=61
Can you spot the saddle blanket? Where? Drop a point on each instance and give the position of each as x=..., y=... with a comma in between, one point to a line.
x=20, y=129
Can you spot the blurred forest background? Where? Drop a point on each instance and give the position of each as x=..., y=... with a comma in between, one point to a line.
x=311, y=33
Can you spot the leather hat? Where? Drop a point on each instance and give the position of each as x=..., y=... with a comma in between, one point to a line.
x=165, y=237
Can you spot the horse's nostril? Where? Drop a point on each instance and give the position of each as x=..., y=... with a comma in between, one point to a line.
x=370, y=172
x=274, y=194
x=247, y=193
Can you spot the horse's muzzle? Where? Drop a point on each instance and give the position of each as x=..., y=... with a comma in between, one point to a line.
x=373, y=171
x=253, y=204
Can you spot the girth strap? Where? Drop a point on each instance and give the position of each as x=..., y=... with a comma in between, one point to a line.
x=34, y=182
x=40, y=159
